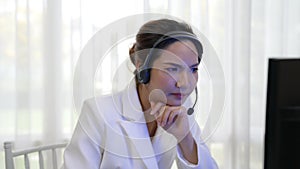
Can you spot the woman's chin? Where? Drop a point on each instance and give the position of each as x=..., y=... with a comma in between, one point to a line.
x=175, y=102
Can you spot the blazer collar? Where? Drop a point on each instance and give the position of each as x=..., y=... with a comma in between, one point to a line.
x=139, y=143
x=135, y=129
x=131, y=106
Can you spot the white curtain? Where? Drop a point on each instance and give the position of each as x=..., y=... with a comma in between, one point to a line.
x=41, y=41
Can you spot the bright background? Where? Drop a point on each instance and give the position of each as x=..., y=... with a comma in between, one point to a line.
x=40, y=42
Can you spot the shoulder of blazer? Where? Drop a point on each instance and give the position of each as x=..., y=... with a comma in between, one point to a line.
x=105, y=107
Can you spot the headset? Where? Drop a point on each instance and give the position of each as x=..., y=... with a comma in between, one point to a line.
x=143, y=74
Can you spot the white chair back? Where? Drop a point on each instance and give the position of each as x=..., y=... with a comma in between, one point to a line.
x=10, y=154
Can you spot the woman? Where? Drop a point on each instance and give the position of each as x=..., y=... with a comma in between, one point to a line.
x=147, y=125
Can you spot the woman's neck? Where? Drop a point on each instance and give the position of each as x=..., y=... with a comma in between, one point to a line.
x=143, y=94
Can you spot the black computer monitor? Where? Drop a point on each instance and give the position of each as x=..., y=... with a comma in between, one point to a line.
x=282, y=135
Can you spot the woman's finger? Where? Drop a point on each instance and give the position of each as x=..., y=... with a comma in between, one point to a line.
x=155, y=108
x=172, y=116
x=163, y=118
x=168, y=115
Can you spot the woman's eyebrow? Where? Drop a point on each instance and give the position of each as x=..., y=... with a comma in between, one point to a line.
x=173, y=64
x=194, y=65
x=179, y=65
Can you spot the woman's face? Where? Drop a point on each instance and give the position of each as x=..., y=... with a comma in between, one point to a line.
x=175, y=72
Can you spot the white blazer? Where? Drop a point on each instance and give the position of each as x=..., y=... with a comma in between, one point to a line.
x=111, y=133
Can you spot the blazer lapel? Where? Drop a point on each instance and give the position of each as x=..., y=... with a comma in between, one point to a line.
x=139, y=143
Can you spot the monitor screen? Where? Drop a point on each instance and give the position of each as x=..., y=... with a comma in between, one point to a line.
x=282, y=135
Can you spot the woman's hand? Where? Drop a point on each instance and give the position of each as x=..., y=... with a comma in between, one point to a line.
x=171, y=118
x=174, y=120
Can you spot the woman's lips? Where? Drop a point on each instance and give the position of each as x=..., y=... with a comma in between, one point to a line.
x=178, y=96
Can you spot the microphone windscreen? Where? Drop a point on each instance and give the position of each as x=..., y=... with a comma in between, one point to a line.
x=157, y=95
x=190, y=111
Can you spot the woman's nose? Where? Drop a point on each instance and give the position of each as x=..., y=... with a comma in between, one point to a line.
x=184, y=79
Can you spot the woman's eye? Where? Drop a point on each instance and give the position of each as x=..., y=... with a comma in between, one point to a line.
x=194, y=70
x=172, y=69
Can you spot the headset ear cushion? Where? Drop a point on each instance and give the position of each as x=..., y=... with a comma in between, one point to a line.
x=144, y=76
